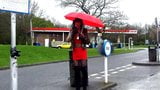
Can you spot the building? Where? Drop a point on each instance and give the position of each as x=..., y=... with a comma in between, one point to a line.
x=60, y=34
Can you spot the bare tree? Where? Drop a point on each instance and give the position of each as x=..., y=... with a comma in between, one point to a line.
x=104, y=9
x=34, y=8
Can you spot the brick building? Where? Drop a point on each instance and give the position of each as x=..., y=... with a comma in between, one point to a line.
x=58, y=34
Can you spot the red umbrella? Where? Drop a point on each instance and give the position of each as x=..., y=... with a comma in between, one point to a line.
x=87, y=19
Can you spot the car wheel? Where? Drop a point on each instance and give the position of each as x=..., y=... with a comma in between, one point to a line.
x=59, y=47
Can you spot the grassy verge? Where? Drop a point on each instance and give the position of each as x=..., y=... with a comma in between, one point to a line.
x=140, y=46
x=124, y=50
x=34, y=55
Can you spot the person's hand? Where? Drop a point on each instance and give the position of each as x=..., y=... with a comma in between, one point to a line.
x=81, y=36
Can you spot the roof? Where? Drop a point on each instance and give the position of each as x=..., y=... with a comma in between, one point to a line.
x=51, y=29
x=90, y=30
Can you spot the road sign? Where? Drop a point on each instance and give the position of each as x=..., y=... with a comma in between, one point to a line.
x=106, y=48
x=105, y=51
x=18, y=6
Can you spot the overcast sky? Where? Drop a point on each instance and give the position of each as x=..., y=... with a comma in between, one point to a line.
x=138, y=11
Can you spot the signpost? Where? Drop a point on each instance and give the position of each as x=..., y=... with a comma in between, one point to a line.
x=157, y=27
x=106, y=51
x=14, y=6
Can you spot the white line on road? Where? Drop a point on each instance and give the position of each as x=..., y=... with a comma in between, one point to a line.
x=122, y=70
x=101, y=72
x=120, y=67
x=112, y=71
x=94, y=74
x=98, y=77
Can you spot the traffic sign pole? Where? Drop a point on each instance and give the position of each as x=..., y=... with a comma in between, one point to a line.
x=13, y=58
x=14, y=6
x=106, y=69
x=106, y=51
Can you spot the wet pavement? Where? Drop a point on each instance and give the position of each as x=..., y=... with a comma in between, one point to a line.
x=150, y=83
x=142, y=77
x=55, y=76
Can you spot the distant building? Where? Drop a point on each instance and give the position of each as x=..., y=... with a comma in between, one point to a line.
x=56, y=34
x=60, y=34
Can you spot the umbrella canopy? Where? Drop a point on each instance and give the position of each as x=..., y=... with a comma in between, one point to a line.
x=87, y=19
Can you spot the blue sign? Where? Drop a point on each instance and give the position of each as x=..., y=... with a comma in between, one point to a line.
x=106, y=48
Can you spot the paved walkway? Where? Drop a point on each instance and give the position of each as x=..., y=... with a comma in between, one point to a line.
x=150, y=83
x=55, y=76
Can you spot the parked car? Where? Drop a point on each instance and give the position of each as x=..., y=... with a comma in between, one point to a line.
x=60, y=44
x=64, y=45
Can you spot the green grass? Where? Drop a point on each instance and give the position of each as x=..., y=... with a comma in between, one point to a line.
x=4, y=55
x=123, y=50
x=39, y=54
x=141, y=46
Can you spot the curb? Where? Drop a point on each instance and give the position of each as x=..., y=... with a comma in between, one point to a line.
x=27, y=65
x=146, y=63
x=43, y=63
x=108, y=85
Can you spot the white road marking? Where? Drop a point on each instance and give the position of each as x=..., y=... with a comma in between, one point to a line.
x=120, y=67
x=122, y=70
x=101, y=72
x=112, y=71
x=94, y=74
x=131, y=67
x=104, y=75
x=127, y=65
x=98, y=77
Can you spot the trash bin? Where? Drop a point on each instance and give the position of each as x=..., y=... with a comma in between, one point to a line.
x=36, y=44
x=71, y=70
x=112, y=48
x=152, y=53
x=119, y=45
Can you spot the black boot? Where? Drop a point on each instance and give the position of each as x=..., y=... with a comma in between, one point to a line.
x=77, y=88
x=77, y=78
x=84, y=77
x=84, y=88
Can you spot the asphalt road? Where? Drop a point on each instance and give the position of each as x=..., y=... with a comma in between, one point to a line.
x=55, y=76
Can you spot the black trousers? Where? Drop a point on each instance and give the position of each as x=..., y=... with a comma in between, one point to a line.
x=81, y=74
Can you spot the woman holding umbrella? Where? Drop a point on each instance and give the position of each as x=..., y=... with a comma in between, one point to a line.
x=79, y=38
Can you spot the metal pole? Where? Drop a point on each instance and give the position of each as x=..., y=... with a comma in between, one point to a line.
x=13, y=59
x=63, y=36
x=106, y=69
x=32, y=33
x=156, y=21
x=145, y=35
x=129, y=43
x=158, y=44
x=124, y=41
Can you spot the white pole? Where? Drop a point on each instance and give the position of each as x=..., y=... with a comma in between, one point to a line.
x=106, y=69
x=63, y=36
x=157, y=25
x=129, y=43
x=124, y=40
x=13, y=59
x=32, y=33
